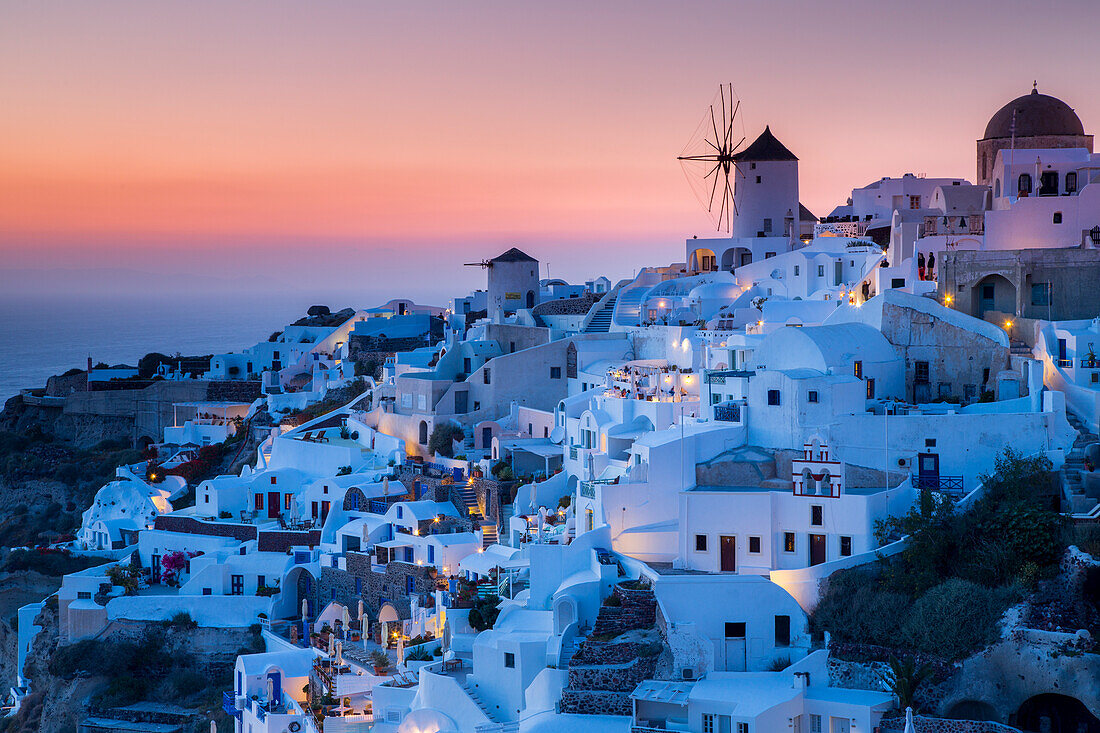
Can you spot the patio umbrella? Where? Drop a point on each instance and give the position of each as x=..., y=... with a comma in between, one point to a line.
x=386, y=486
x=542, y=521
x=270, y=692
x=347, y=621
x=339, y=653
x=909, y=721
x=364, y=624
x=213, y=727
x=400, y=648
x=331, y=644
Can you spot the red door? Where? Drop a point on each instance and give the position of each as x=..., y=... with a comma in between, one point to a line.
x=728, y=548
x=273, y=504
x=817, y=549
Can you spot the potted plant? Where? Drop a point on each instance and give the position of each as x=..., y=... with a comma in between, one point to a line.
x=381, y=662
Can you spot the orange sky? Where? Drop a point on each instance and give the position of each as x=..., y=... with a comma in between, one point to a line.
x=146, y=134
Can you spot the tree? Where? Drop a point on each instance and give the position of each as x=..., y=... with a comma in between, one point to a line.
x=906, y=679
x=443, y=437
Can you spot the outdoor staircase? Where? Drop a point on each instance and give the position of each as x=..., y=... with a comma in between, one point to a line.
x=601, y=321
x=1073, y=485
x=489, y=535
x=630, y=307
x=469, y=498
x=472, y=693
x=1016, y=347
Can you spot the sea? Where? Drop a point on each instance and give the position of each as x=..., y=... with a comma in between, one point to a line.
x=42, y=334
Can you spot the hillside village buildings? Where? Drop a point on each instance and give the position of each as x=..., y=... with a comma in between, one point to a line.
x=681, y=456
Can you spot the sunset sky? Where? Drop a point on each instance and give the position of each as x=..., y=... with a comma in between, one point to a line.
x=357, y=144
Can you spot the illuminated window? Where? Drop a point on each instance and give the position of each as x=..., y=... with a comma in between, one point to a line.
x=788, y=542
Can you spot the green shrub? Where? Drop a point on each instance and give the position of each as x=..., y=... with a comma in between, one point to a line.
x=612, y=601
x=443, y=437
x=954, y=619
x=779, y=664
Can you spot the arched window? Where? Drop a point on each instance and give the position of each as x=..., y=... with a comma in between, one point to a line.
x=530, y=298
x=423, y=433
x=1024, y=185
x=997, y=189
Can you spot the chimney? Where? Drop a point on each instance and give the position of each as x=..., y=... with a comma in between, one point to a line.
x=801, y=680
x=89, y=363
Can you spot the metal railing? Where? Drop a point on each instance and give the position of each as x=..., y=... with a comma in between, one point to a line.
x=229, y=704
x=728, y=413
x=1066, y=363
x=952, y=485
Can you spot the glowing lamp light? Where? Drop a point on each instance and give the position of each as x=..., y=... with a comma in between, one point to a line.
x=1008, y=325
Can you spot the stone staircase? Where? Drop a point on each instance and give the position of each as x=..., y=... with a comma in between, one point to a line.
x=1073, y=485
x=469, y=499
x=1016, y=347
x=602, y=674
x=601, y=321
x=489, y=534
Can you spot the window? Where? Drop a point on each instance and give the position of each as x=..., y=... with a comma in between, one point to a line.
x=773, y=397
x=700, y=543
x=754, y=545
x=358, y=586
x=1057, y=217
x=555, y=372
x=287, y=499
x=788, y=542
x=1071, y=182
x=735, y=629
x=1024, y=182
x=431, y=553
x=815, y=515
x=512, y=345
x=897, y=282
x=929, y=442
x=259, y=501
x=208, y=591
x=467, y=365
x=815, y=723
x=206, y=498
x=914, y=202
x=845, y=546
x=1040, y=293
x=236, y=585
x=487, y=376
x=857, y=369
x=410, y=585
x=272, y=480
x=796, y=270
x=260, y=580
x=821, y=270
x=769, y=255
x=871, y=389
x=920, y=373
x=782, y=630
x=811, y=396
x=708, y=722
x=84, y=595
x=758, y=179
x=742, y=727
x=509, y=660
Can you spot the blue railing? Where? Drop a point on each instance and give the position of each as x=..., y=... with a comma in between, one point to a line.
x=229, y=704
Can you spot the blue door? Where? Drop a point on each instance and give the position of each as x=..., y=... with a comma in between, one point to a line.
x=276, y=684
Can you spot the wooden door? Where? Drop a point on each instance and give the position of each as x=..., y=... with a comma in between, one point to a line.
x=728, y=551
x=928, y=470
x=273, y=502
x=817, y=549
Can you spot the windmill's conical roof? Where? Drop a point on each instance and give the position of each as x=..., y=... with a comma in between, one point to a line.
x=765, y=147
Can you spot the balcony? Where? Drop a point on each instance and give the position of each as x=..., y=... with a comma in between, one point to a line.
x=949, y=485
x=229, y=704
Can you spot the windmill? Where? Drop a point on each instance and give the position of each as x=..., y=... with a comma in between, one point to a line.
x=709, y=158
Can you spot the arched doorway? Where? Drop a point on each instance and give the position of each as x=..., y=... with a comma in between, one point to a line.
x=423, y=436
x=1053, y=713
x=530, y=298
x=735, y=257
x=973, y=710
x=702, y=260
x=993, y=293
x=387, y=620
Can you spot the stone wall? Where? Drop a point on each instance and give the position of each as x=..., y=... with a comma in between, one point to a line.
x=637, y=610
x=283, y=540
x=596, y=702
x=190, y=525
x=388, y=586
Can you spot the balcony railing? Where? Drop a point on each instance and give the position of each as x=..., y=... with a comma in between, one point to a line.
x=229, y=704
x=1066, y=363
x=1090, y=363
x=728, y=413
x=950, y=485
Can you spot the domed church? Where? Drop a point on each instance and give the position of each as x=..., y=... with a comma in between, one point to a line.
x=1032, y=121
